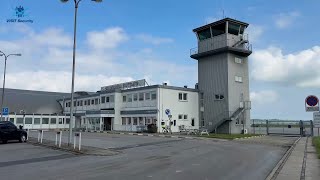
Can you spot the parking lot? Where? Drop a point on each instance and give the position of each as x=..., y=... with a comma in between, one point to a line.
x=143, y=157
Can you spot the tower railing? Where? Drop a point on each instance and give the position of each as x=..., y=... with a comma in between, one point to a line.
x=221, y=41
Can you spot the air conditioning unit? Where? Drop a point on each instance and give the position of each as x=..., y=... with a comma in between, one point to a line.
x=245, y=131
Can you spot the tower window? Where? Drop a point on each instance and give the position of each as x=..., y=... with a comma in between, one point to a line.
x=238, y=60
x=204, y=34
x=219, y=97
x=238, y=79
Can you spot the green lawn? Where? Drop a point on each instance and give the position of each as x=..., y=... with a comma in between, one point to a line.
x=229, y=136
x=316, y=143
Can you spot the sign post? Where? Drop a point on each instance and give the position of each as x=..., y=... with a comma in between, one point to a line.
x=316, y=120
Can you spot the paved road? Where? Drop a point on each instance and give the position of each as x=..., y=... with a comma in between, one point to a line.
x=165, y=158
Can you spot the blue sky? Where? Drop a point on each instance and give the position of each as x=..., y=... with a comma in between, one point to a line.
x=126, y=40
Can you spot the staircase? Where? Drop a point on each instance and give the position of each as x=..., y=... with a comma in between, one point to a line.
x=224, y=117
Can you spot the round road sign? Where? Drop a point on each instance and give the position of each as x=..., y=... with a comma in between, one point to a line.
x=312, y=100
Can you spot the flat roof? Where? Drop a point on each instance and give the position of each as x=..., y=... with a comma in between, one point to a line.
x=219, y=22
x=135, y=89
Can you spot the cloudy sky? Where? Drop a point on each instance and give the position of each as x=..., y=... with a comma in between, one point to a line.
x=123, y=40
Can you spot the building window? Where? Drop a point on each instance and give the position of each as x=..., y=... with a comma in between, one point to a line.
x=81, y=103
x=67, y=104
x=180, y=116
x=174, y=122
x=153, y=95
x=238, y=60
x=103, y=99
x=180, y=96
x=12, y=120
x=78, y=103
x=85, y=102
x=88, y=102
x=129, y=97
x=107, y=99
x=74, y=103
x=219, y=97
x=36, y=120
x=238, y=78
x=124, y=98
x=141, y=96
x=95, y=101
x=185, y=96
x=147, y=96
x=92, y=101
x=135, y=97
x=45, y=120
x=53, y=121
x=28, y=120
x=129, y=121
x=185, y=116
x=192, y=122
x=67, y=120
x=124, y=121
x=19, y=120
x=60, y=119
x=141, y=121
x=112, y=98
x=135, y=121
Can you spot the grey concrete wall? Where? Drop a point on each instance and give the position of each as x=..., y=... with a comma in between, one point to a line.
x=213, y=79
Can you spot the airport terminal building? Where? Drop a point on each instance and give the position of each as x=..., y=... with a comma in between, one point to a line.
x=219, y=101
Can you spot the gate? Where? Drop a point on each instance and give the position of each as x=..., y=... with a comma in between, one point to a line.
x=295, y=128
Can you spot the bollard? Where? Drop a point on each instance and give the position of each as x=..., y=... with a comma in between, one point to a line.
x=28, y=131
x=77, y=134
x=60, y=134
x=41, y=136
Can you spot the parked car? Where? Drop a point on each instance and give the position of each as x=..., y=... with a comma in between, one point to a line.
x=9, y=131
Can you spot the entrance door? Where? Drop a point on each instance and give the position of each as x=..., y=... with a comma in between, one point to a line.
x=107, y=123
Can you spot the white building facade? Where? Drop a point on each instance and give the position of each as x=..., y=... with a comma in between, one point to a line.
x=136, y=108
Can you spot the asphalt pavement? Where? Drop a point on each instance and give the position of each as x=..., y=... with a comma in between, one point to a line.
x=143, y=158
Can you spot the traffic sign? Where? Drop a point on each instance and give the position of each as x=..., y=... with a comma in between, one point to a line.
x=167, y=111
x=316, y=119
x=5, y=111
x=312, y=103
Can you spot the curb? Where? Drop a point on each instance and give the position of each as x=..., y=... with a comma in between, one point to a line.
x=249, y=137
x=276, y=170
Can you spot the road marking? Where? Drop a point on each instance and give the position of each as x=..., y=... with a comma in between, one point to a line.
x=178, y=171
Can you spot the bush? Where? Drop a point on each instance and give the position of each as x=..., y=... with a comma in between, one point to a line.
x=152, y=128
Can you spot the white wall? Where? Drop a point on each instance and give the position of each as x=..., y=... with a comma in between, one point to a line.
x=169, y=99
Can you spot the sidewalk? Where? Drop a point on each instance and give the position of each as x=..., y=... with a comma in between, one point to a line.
x=302, y=163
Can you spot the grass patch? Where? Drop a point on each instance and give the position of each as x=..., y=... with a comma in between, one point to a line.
x=316, y=143
x=229, y=136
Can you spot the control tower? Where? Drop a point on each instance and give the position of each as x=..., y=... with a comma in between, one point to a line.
x=223, y=77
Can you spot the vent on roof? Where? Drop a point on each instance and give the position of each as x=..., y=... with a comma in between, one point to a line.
x=196, y=86
x=185, y=86
x=165, y=84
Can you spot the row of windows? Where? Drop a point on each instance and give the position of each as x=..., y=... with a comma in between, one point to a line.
x=138, y=121
x=140, y=96
x=30, y=120
x=88, y=102
x=238, y=79
x=183, y=96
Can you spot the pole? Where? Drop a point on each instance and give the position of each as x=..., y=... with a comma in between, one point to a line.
x=73, y=70
x=4, y=82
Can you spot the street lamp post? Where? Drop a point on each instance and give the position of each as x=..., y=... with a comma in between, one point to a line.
x=76, y=5
x=4, y=76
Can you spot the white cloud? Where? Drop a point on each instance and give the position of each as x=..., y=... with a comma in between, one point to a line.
x=263, y=97
x=299, y=69
x=109, y=38
x=285, y=20
x=254, y=32
x=153, y=40
x=47, y=65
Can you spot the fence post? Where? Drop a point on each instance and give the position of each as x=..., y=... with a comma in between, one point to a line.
x=254, y=127
x=301, y=128
x=267, y=123
x=311, y=126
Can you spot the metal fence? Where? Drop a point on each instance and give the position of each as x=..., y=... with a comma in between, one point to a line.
x=282, y=127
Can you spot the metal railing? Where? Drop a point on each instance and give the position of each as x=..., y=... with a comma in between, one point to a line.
x=220, y=42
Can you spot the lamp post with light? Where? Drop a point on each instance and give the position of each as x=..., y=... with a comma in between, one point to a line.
x=76, y=5
x=4, y=76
